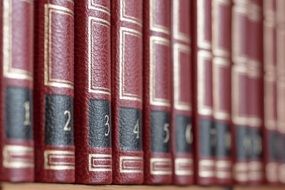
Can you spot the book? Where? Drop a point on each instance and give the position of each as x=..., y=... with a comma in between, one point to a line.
x=127, y=88
x=54, y=91
x=221, y=49
x=157, y=92
x=182, y=118
x=16, y=141
x=255, y=92
x=270, y=92
x=240, y=87
x=92, y=101
x=204, y=128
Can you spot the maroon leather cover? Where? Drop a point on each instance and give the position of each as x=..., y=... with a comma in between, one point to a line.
x=255, y=92
x=280, y=40
x=204, y=129
x=270, y=92
x=240, y=101
x=16, y=68
x=221, y=38
x=92, y=100
x=182, y=119
x=127, y=73
x=157, y=92
x=54, y=91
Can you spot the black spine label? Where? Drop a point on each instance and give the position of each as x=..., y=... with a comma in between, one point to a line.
x=223, y=140
x=18, y=113
x=243, y=143
x=207, y=138
x=184, y=134
x=130, y=129
x=99, y=123
x=59, y=120
x=160, y=131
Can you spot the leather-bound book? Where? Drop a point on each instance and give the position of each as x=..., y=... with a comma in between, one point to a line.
x=280, y=72
x=16, y=88
x=241, y=139
x=182, y=119
x=270, y=92
x=157, y=92
x=221, y=38
x=92, y=100
x=54, y=91
x=127, y=87
x=255, y=91
x=204, y=128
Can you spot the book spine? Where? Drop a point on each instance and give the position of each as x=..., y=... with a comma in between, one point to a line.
x=127, y=102
x=204, y=129
x=157, y=92
x=280, y=40
x=17, y=150
x=182, y=119
x=270, y=92
x=92, y=99
x=221, y=38
x=54, y=91
x=239, y=93
x=255, y=92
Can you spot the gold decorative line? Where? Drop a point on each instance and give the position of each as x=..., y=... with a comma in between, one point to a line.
x=8, y=70
x=97, y=7
x=104, y=23
x=102, y=158
x=123, y=94
x=203, y=108
x=131, y=169
x=12, y=159
x=153, y=26
x=176, y=23
x=49, y=81
x=177, y=50
x=201, y=28
x=223, y=164
x=160, y=171
x=128, y=18
x=155, y=40
x=206, y=174
x=182, y=166
x=59, y=154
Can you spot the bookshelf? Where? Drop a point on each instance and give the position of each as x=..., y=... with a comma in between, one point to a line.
x=41, y=186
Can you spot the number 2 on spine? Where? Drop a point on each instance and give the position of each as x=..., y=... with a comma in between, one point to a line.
x=67, y=127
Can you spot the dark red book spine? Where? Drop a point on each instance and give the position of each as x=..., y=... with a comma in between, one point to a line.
x=280, y=41
x=157, y=92
x=204, y=129
x=270, y=92
x=221, y=39
x=16, y=68
x=255, y=92
x=182, y=118
x=127, y=99
x=54, y=91
x=92, y=103
x=241, y=141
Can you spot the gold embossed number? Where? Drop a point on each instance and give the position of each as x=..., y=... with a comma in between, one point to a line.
x=167, y=132
x=67, y=126
x=107, y=125
x=27, y=121
x=136, y=129
x=188, y=134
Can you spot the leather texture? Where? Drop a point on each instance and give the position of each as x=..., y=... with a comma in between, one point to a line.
x=127, y=73
x=255, y=78
x=16, y=133
x=93, y=92
x=221, y=41
x=157, y=92
x=270, y=92
x=54, y=91
x=204, y=128
x=182, y=133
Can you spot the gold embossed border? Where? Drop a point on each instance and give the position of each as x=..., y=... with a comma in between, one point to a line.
x=154, y=26
x=123, y=94
x=126, y=164
x=9, y=70
x=177, y=49
x=201, y=28
x=49, y=81
x=100, y=162
x=128, y=18
x=155, y=40
x=92, y=5
x=92, y=21
x=183, y=166
x=17, y=156
x=160, y=166
x=63, y=156
x=206, y=168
